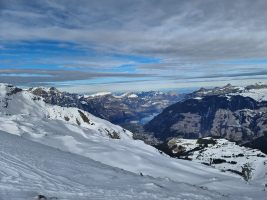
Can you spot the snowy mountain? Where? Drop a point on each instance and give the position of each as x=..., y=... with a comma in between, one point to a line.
x=228, y=112
x=257, y=92
x=55, y=149
x=24, y=112
x=128, y=109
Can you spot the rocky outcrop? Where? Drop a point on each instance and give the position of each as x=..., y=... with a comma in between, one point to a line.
x=259, y=143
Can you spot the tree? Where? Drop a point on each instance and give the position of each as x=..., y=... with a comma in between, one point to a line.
x=247, y=171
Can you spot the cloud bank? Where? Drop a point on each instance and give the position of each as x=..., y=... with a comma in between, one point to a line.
x=157, y=41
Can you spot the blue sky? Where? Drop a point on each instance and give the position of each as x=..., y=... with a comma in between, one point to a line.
x=103, y=45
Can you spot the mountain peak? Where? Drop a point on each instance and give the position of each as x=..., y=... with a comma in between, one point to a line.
x=8, y=89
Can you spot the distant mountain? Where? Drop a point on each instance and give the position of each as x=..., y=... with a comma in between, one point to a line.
x=227, y=89
x=127, y=110
x=257, y=91
x=235, y=113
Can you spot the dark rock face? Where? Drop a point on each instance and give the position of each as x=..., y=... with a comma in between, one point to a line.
x=55, y=97
x=236, y=118
x=259, y=143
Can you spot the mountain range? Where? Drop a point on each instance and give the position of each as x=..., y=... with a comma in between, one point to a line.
x=55, y=152
x=237, y=114
x=129, y=110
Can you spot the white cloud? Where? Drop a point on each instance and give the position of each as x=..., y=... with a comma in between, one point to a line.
x=192, y=39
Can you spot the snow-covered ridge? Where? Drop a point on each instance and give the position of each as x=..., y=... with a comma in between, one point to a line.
x=101, y=94
x=21, y=104
x=127, y=94
x=257, y=92
x=97, y=94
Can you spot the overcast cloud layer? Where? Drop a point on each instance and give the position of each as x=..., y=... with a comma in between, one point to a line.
x=123, y=44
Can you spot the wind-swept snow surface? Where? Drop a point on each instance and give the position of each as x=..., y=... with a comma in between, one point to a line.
x=78, y=132
x=28, y=169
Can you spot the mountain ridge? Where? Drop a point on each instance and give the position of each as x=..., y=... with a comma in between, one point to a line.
x=129, y=110
x=214, y=112
x=29, y=117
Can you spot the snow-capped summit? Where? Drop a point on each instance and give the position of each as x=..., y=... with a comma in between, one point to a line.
x=7, y=90
x=257, y=91
x=227, y=89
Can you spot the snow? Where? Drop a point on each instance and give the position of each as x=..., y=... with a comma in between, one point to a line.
x=256, y=94
x=127, y=94
x=91, y=141
x=28, y=169
x=84, y=102
x=132, y=96
x=97, y=94
x=23, y=110
x=259, y=94
x=228, y=151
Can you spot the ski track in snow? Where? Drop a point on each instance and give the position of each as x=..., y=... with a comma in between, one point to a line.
x=28, y=169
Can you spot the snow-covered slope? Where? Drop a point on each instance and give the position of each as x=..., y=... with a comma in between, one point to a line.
x=29, y=169
x=71, y=130
x=22, y=106
x=222, y=154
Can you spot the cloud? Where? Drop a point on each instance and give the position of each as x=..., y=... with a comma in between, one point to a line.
x=30, y=76
x=186, y=29
x=188, y=38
